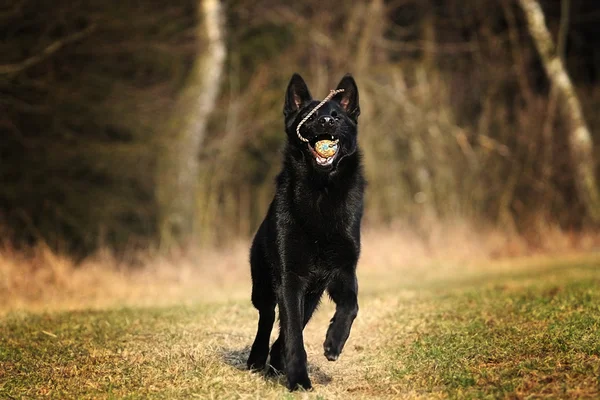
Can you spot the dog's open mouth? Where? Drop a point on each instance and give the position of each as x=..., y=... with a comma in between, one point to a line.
x=324, y=148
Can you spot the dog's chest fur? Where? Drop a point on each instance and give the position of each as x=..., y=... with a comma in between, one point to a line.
x=322, y=221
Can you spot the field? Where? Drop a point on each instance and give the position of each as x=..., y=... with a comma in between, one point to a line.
x=528, y=327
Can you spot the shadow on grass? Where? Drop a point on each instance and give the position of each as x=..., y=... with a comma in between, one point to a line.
x=236, y=358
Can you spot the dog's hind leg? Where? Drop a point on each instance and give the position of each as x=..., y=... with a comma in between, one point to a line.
x=277, y=362
x=343, y=291
x=263, y=298
x=291, y=299
x=311, y=302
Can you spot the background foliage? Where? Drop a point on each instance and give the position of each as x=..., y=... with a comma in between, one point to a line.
x=459, y=120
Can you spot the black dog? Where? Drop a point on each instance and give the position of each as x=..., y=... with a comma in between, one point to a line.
x=310, y=238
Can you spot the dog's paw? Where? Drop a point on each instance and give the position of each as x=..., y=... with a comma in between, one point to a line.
x=255, y=367
x=276, y=364
x=299, y=381
x=331, y=351
x=274, y=371
x=255, y=363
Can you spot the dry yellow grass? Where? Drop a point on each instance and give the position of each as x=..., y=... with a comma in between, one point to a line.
x=43, y=280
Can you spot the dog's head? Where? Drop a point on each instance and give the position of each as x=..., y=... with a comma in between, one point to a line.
x=335, y=121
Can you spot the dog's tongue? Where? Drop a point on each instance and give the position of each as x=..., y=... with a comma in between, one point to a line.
x=326, y=148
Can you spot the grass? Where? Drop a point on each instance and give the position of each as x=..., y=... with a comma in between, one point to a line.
x=516, y=338
x=524, y=329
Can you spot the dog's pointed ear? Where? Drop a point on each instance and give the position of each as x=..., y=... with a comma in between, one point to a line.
x=296, y=96
x=348, y=99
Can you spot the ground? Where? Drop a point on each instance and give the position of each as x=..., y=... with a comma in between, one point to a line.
x=518, y=329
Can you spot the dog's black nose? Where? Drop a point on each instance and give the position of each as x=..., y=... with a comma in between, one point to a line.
x=326, y=121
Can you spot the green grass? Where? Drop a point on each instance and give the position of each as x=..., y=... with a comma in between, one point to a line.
x=516, y=333
x=535, y=338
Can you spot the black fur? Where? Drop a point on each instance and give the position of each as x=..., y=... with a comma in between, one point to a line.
x=309, y=241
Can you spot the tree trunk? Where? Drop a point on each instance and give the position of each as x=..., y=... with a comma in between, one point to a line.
x=177, y=169
x=580, y=141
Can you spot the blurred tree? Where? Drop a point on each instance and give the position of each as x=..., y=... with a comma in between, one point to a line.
x=84, y=86
x=580, y=140
x=178, y=165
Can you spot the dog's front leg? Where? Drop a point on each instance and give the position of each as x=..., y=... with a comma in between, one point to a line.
x=343, y=291
x=291, y=309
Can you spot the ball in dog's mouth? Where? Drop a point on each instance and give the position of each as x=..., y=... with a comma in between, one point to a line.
x=324, y=150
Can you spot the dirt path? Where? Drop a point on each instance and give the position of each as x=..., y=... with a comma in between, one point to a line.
x=355, y=373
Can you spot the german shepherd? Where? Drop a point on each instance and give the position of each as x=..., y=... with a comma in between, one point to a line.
x=309, y=241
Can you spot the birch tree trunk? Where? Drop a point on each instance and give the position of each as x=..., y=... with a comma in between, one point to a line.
x=177, y=169
x=580, y=141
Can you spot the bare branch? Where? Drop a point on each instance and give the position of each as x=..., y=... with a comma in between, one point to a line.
x=47, y=52
x=561, y=41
